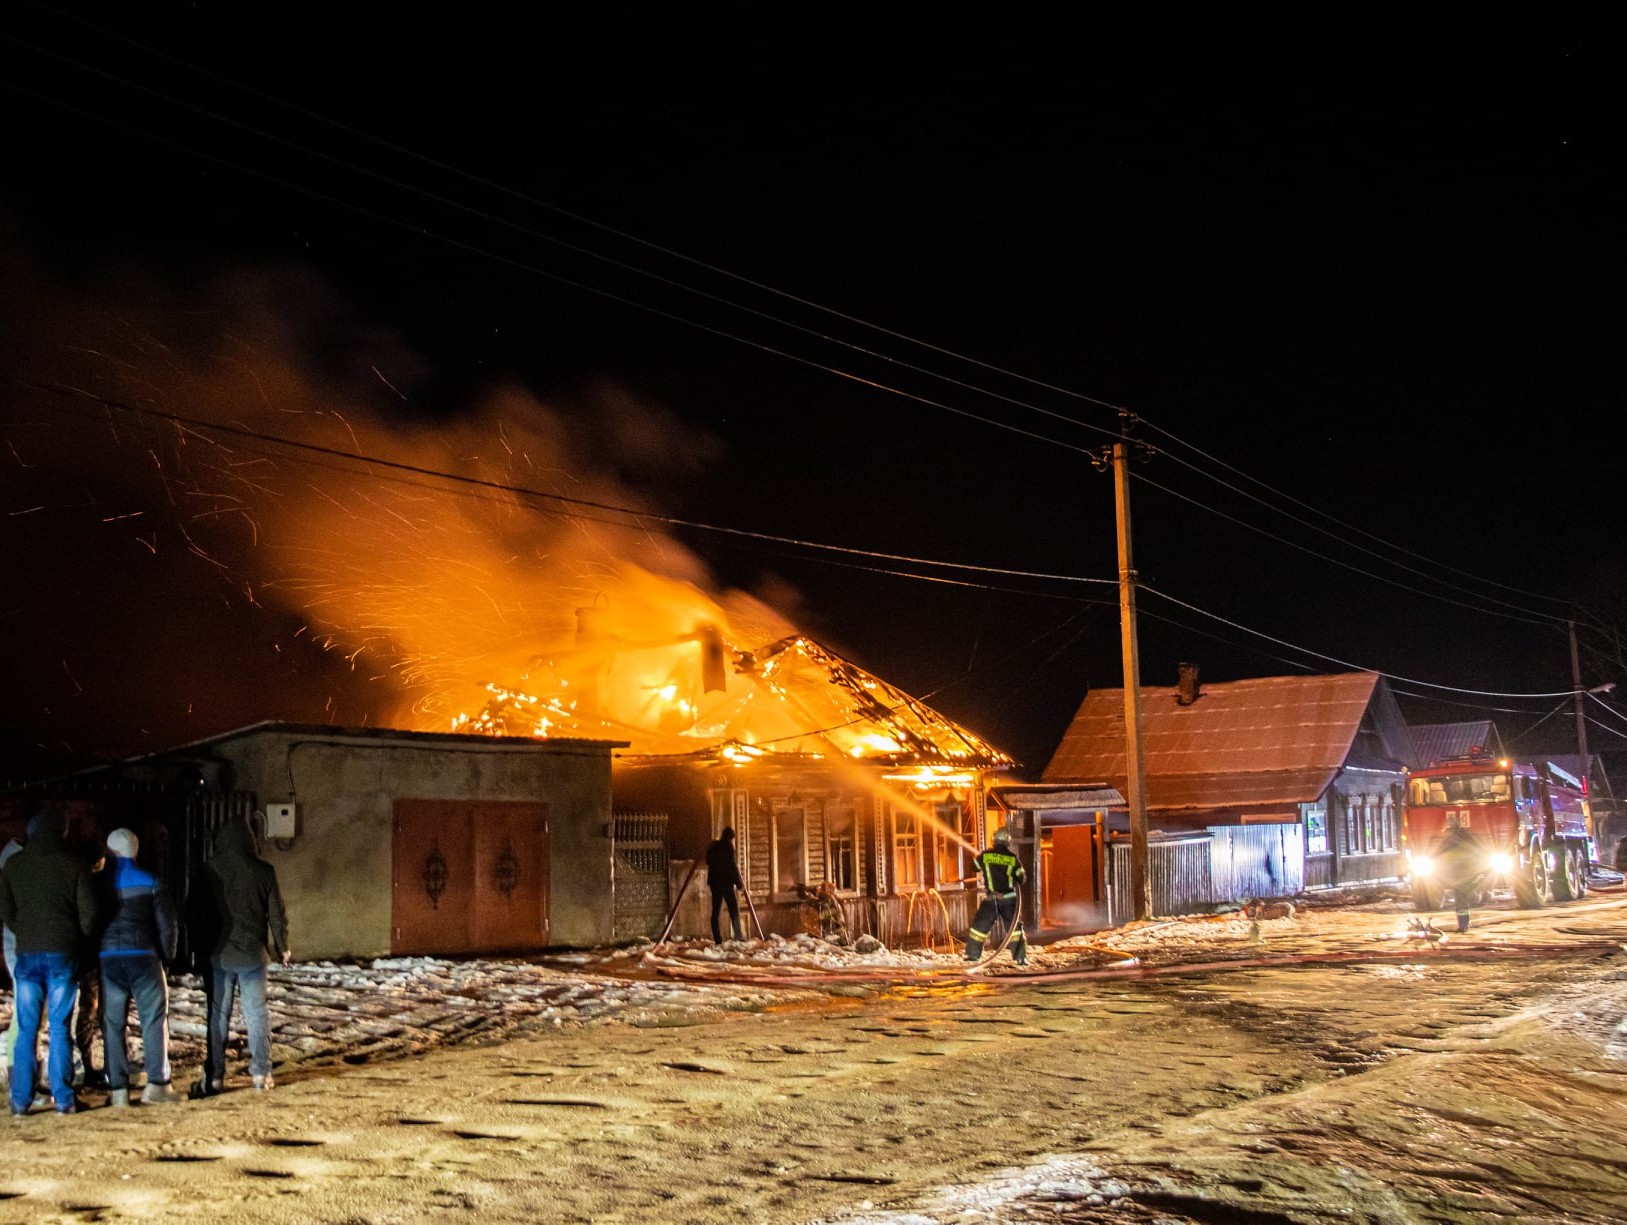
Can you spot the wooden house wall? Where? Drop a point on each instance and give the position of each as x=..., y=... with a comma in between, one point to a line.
x=1364, y=834
x=750, y=800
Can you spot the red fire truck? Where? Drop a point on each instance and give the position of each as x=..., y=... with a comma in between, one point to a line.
x=1533, y=819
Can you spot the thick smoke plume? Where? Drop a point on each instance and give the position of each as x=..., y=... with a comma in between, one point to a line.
x=175, y=580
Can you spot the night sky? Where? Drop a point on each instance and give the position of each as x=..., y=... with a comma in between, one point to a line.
x=881, y=288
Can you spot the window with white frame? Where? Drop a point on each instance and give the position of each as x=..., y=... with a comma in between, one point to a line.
x=742, y=833
x=953, y=820
x=906, y=850
x=1316, y=829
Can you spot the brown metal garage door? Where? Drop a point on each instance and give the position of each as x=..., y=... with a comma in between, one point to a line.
x=469, y=877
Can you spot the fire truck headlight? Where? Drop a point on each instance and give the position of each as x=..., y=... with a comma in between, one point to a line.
x=1423, y=865
x=1502, y=864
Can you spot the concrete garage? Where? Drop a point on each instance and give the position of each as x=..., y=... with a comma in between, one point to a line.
x=393, y=842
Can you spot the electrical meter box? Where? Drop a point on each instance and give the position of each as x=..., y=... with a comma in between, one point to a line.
x=281, y=820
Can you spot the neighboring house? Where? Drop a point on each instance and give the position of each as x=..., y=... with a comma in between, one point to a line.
x=385, y=842
x=1320, y=760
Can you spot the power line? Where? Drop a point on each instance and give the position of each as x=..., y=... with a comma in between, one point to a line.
x=1350, y=544
x=766, y=348
x=532, y=232
x=504, y=487
x=1317, y=511
x=1344, y=663
x=1144, y=479
x=563, y=499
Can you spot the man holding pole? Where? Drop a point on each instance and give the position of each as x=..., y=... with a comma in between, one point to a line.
x=723, y=878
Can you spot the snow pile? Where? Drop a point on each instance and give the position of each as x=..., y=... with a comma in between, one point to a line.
x=1058, y=1181
x=801, y=952
x=328, y=1012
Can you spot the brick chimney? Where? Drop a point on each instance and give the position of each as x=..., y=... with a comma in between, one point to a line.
x=1187, y=689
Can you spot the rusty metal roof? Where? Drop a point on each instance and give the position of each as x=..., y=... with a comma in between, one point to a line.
x=1439, y=741
x=1260, y=742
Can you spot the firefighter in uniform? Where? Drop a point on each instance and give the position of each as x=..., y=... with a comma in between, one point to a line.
x=1002, y=874
x=1462, y=858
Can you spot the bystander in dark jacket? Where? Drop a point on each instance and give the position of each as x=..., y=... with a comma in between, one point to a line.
x=241, y=921
x=46, y=899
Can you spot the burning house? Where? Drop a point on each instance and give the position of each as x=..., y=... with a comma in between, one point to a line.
x=828, y=775
x=375, y=560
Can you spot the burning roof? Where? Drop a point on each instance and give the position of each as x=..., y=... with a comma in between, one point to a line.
x=700, y=695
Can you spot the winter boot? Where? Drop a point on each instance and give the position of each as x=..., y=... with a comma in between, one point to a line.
x=118, y=1097
x=205, y=1088
x=156, y=1094
x=1463, y=923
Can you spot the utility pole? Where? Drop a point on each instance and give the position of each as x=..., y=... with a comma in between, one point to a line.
x=1581, y=728
x=1140, y=885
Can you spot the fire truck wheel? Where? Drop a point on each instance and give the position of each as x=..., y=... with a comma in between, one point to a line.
x=1566, y=883
x=1582, y=866
x=1531, y=885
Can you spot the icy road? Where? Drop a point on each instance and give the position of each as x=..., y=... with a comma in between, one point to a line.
x=1322, y=1067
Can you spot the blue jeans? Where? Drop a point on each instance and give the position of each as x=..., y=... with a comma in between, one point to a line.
x=11, y=973
x=250, y=985
x=140, y=977
x=48, y=982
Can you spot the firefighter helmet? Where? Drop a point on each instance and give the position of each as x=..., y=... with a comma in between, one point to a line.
x=1002, y=836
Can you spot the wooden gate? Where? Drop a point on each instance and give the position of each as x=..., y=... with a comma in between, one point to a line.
x=469, y=877
x=641, y=874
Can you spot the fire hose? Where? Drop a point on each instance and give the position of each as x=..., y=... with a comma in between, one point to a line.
x=1005, y=938
x=1135, y=969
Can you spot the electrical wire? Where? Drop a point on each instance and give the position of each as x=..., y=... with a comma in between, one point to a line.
x=562, y=499
x=483, y=483
x=1344, y=663
x=532, y=232
x=1144, y=479
x=873, y=383
x=1532, y=616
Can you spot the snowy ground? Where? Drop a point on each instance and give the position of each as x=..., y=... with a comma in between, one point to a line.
x=1332, y=1065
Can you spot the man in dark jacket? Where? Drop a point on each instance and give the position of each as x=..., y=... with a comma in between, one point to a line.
x=240, y=914
x=46, y=899
x=138, y=940
x=723, y=878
